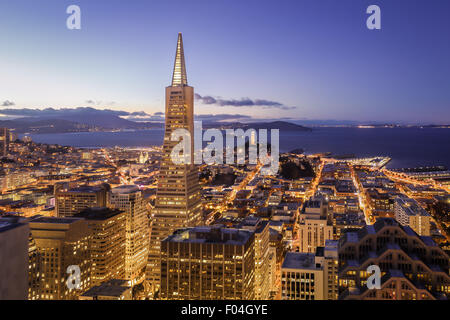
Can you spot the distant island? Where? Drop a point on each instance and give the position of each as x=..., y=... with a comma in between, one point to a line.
x=282, y=125
x=87, y=119
x=91, y=120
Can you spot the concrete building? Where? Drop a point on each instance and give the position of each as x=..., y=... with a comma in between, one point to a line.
x=129, y=198
x=261, y=231
x=394, y=286
x=208, y=263
x=315, y=226
x=309, y=276
x=409, y=213
x=327, y=259
x=300, y=279
x=14, y=259
x=397, y=250
x=61, y=243
x=107, y=243
x=178, y=200
x=69, y=201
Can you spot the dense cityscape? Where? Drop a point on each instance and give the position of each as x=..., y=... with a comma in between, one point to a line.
x=130, y=224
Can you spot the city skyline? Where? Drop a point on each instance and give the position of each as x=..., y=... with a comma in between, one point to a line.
x=311, y=61
x=316, y=214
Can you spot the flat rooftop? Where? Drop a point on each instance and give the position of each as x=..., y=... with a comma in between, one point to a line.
x=125, y=189
x=299, y=260
x=211, y=234
x=112, y=288
x=98, y=213
x=55, y=220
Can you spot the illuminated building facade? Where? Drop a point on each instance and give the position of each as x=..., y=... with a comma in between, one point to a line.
x=69, y=201
x=315, y=227
x=208, y=263
x=129, y=198
x=178, y=202
x=60, y=243
x=107, y=243
x=399, y=253
x=409, y=213
x=262, y=255
x=309, y=276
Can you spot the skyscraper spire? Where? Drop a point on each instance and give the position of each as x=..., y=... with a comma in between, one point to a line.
x=178, y=199
x=179, y=77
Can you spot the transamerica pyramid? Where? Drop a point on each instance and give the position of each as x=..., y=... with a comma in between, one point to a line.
x=178, y=197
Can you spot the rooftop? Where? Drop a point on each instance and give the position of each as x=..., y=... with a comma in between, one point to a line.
x=211, y=234
x=112, y=288
x=299, y=260
x=125, y=189
x=98, y=213
x=55, y=220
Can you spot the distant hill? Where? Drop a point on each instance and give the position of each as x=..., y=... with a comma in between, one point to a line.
x=44, y=126
x=281, y=125
x=76, y=124
x=89, y=119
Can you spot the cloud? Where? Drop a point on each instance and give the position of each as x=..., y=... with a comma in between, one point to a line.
x=221, y=117
x=52, y=113
x=244, y=102
x=98, y=103
x=7, y=103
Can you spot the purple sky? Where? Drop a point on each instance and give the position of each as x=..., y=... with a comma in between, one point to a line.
x=301, y=59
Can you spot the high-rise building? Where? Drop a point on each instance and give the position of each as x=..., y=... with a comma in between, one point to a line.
x=261, y=231
x=14, y=236
x=327, y=258
x=309, y=276
x=69, y=201
x=300, y=278
x=315, y=226
x=61, y=243
x=4, y=141
x=412, y=266
x=178, y=196
x=107, y=243
x=204, y=263
x=409, y=213
x=129, y=199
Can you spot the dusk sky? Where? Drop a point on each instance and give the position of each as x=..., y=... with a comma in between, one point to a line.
x=302, y=59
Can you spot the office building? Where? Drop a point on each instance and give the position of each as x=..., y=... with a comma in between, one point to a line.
x=208, y=263
x=309, y=276
x=107, y=243
x=63, y=245
x=14, y=236
x=129, y=198
x=69, y=201
x=261, y=231
x=409, y=213
x=315, y=226
x=178, y=196
x=400, y=253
